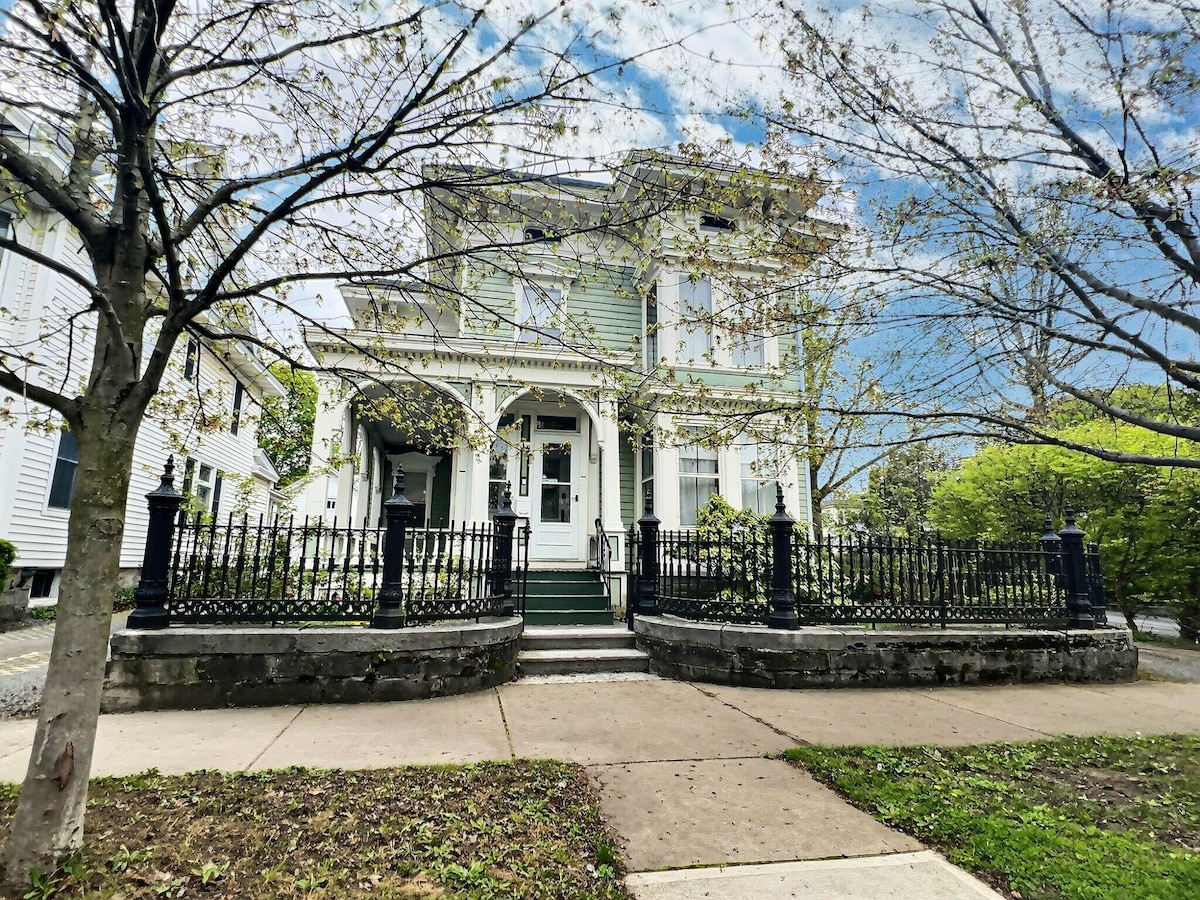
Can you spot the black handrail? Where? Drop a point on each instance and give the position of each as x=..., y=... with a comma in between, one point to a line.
x=604, y=556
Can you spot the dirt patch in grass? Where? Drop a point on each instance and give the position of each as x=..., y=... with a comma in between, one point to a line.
x=1065, y=819
x=504, y=830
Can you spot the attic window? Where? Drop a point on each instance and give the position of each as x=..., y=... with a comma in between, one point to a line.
x=717, y=223
x=540, y=236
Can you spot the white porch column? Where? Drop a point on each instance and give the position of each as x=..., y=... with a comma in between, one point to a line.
x=472, y=469
x=329, y=434
x=666, y=479
x=610, y=480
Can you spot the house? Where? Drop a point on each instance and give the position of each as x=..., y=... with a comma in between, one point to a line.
x=207, y=412
x=583, y=344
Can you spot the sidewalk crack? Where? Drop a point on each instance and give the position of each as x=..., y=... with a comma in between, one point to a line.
x=271, y=743
x=763, y=722
x=919, y=693
x=504, y=721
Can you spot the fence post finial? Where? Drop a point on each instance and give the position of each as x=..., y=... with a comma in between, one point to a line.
x=783, y=598
x=153, y=589
x=389, y=613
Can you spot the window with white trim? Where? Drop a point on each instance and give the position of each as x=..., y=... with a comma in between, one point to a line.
x=539, y=313
x=695, y=318
x=202, y=484
x=66, y=461
x=760, y=469
x=699, y=476
x=748, y=348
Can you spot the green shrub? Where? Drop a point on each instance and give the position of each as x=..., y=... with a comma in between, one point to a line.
x=8, y=552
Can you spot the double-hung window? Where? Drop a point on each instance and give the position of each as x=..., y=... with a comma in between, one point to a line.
x=539, y=313
x=62, y=483
x=699, y=478
x=202, y=483
x=747, y=345
x=759, y=470
x=695, y=319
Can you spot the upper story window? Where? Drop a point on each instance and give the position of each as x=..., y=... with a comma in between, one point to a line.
x=62, y=483
x=535, y=235
x=712, y=224
x=191, y=359
x=695, y=318
x=5, y=228
x=748, y=348
x=539, y=313
x=650, y=328
x=239, y=398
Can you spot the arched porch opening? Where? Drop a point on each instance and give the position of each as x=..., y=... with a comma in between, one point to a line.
x=420, y=427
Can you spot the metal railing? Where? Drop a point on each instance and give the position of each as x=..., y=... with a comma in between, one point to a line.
x=604, y=558
x=260, y=571
x=777, y=576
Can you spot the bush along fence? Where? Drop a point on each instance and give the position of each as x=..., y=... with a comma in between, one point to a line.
x=778, y=577
x=244, y=571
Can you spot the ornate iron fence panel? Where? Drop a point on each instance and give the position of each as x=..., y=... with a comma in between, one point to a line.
x=858, y=580
x=246, y=571
x=724, y=579
x=873, y=579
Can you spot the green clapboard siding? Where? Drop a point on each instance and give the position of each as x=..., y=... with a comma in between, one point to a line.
x=628, y=483
x=604, y=310
x=490, y=303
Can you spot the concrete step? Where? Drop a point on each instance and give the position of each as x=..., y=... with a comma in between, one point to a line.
x=566, y=616
x=578, y=662
x=576, y=637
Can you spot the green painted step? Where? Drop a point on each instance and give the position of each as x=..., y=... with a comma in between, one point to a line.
x=564, y=588
x=568, y=617
x=574, y=575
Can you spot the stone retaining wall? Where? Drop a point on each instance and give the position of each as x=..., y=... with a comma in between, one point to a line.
x=756, y=656
x=210, y=667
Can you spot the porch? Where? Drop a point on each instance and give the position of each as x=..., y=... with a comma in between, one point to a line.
x=560, y=455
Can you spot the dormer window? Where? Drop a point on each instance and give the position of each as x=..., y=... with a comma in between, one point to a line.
x=717, y=224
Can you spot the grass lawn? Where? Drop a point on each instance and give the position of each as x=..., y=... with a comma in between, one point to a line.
x=527, y=829
x=1077, y=818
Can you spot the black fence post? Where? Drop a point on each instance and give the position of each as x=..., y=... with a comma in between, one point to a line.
x=647, y=604
x=505, y=521
x=1096, y=584
x=1052, y=548
x=631, y=578
x=1075, y=580
x=153, y=591
x=783, y=598
x=389, y=613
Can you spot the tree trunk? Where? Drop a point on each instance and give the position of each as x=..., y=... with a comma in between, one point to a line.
x=49, y=819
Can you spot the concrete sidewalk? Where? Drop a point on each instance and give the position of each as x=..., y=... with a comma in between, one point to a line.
x=681, y=767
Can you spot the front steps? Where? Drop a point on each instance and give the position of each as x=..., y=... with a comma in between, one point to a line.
x=566, y=598
x=579, y=650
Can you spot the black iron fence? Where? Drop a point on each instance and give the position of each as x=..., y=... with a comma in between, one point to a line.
x=779, y=577
x=259, y=571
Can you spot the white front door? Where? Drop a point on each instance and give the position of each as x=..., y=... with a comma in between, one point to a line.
x=555, y=507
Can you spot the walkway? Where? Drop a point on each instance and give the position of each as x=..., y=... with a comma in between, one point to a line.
x=681, y=767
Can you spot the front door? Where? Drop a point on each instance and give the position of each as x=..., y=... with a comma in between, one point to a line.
x=555, y=508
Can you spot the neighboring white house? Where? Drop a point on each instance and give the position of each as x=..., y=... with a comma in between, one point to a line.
x=576, y=350
x=207, y=414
